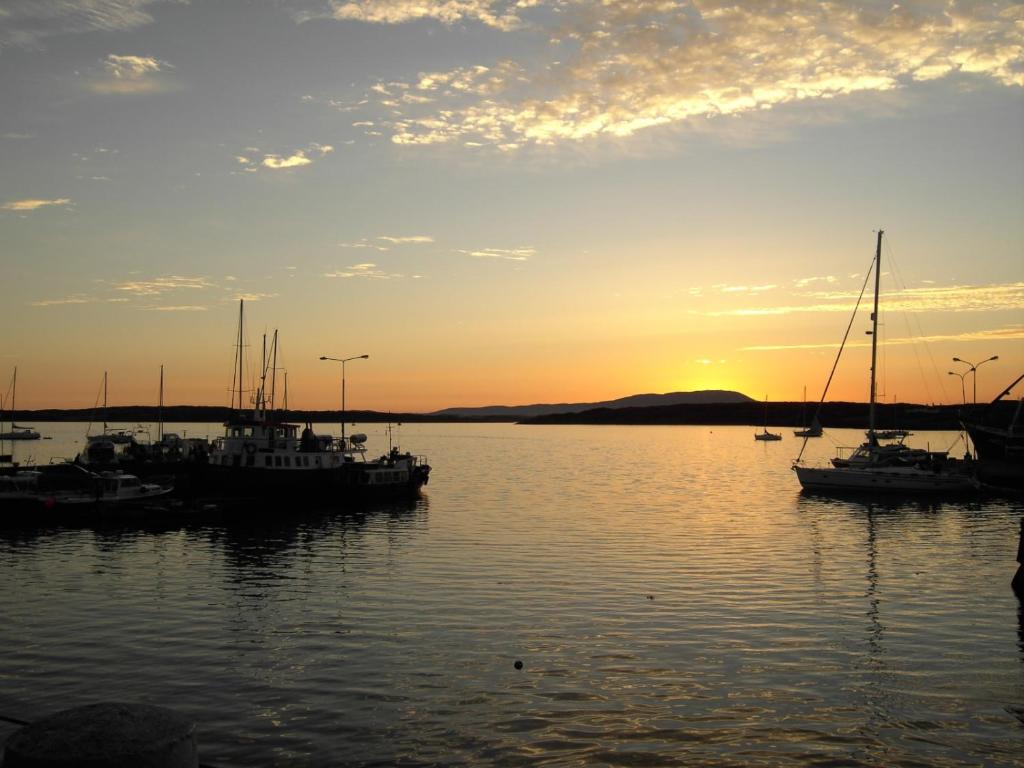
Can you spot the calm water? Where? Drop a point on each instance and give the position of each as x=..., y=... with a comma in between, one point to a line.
x=673, y=598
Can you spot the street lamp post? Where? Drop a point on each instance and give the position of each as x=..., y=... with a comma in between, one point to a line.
x=963, y=392
x=974, y=369
x=344, y=360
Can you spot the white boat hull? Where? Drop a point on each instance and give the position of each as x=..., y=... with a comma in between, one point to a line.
x=883, y=480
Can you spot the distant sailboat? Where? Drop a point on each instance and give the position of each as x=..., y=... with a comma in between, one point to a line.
x=17, y=433
x=814, y=430
x=765, y=434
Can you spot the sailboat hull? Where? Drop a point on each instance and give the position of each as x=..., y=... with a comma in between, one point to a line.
x=884, y=480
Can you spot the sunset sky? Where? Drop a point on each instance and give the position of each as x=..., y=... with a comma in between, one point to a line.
x=508, y=202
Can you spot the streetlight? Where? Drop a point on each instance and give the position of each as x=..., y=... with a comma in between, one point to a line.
x=963, y=393
x=344, y=360
x=974, y=369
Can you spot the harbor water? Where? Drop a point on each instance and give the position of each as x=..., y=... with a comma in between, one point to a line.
x=673, y=598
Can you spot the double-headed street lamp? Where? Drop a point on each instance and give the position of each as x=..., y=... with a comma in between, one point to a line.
x=974, y=369
x=344, y=360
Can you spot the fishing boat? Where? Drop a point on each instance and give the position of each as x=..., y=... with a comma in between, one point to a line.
x=765, y=434
x=262, y=456
x=16, y=432
x=997, y=432
x=875, y=466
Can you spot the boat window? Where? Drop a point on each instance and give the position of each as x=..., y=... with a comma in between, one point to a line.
x=250, y=461
x=287, y=461
x=267, y=460
x=277, y=461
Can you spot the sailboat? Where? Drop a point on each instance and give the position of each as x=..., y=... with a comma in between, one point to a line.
x=812, y=430
x=878, y=467
x=765, y=434
x=16, y=432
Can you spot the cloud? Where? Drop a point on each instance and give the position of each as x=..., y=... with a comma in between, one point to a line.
x=181, y=308
x=613, y=69
x=253, y=296
x=487, y=12
x=127, y=74
x=805, y=281
x=510, y=254
x=407, y=240
x=75, y=299
x=33, y=205
x=744, y=288
x=1010, y=333
x=161, y=285
x=366, y=270
x=954, y=298
x=276, y=162
x=26, y=22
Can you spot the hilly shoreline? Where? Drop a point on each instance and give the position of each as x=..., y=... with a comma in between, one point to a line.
x=779, y=414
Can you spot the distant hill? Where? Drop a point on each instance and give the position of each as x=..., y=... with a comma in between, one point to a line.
x=703, y=397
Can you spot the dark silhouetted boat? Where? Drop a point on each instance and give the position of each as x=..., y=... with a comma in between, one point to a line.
x=878, y=467
x=263, y=456
x=16, y=432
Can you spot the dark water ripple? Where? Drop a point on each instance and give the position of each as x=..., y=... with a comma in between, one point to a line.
x=673, y=598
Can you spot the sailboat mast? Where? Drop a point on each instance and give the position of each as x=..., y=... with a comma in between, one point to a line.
x=104, y=402
x=273, y=373
x=160, y=410
x=14, y=394
x=241, y=315
x=874, y=338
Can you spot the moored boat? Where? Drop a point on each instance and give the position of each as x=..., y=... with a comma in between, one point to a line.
x=262, y=455
x=875, y=466
x=17, y=432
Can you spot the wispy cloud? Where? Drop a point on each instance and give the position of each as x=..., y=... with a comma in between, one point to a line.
x=510, y=254
x=367, y=271
x=1010, y=333
x=179, y=308
x=276, y=162
x=253, y=296
x=407, y=240
x=161, y=285
x=958, y=298
x=493, y=14
x=27, y=22
x=33, y=205
x=805, y=281
x=744, y=288
x=616, y=68
x=128, y=74
x=76, y=299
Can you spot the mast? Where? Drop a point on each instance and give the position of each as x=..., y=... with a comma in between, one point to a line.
x=104, y=402
x=160, y=409
x=273, y=373
x=874, y=339
x=261, y=398
x=241, y=315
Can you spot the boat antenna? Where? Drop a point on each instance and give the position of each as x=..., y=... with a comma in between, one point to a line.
x=874, y=341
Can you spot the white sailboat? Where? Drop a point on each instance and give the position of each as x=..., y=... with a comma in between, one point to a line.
x=878, y=467
x=16, y=432
x=765, y=434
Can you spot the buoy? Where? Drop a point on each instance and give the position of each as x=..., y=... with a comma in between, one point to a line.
x=106, y=735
